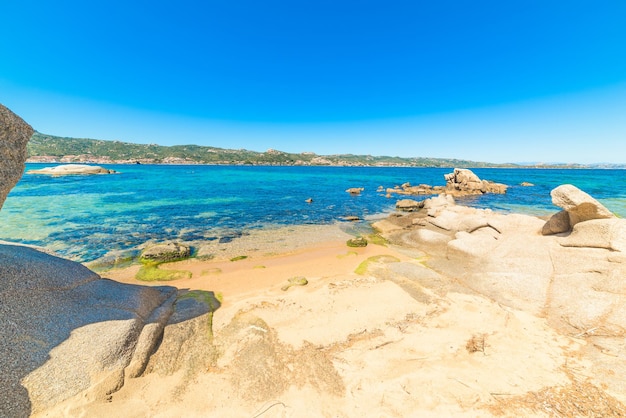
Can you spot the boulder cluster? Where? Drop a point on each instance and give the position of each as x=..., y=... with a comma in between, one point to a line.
x=573, y=276
x=461, y=182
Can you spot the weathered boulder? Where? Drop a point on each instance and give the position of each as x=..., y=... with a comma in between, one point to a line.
x=72, y=169
x=14, y=134
x=578, y=204
x=67, y=332
x=435, y=204
x=409, y=205
x=164, y=252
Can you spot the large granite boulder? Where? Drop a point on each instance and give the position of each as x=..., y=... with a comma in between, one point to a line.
x=578, y=204
x=14, y=134
x=68, y=332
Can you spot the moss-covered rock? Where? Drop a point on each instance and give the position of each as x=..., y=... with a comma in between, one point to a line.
x=357, y=242
x=295, y=281
x=164, y=252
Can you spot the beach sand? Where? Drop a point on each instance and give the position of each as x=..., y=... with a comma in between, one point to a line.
x=355, y=341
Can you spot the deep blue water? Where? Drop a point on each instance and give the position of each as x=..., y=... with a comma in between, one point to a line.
x=83, y=217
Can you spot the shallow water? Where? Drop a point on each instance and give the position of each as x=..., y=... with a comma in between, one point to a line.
x=84, y=217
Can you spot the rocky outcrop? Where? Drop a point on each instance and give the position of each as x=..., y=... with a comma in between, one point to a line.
x=461, y=182
x=14, y=134
x=464, y=182
x=72, y=169
x=575, y=281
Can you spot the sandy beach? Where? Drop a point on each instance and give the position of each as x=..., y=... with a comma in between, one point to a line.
x=358, y=340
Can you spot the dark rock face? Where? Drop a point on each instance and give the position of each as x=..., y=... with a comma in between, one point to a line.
x=14, y=134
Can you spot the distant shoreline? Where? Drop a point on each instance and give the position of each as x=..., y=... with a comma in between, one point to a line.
x=45, y=160
x=51, y=149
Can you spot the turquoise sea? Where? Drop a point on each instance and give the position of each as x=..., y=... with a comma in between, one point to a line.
x=84, y=217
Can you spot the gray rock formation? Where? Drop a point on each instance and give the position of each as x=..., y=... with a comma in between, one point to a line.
x=67, y=332
x=14, y=134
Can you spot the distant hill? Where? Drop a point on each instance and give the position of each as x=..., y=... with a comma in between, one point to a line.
x=49, y=148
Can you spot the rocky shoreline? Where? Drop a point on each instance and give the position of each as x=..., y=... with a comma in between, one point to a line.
x=446, y=311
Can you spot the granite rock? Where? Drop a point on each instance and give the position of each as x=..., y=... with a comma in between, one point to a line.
x=14, y=134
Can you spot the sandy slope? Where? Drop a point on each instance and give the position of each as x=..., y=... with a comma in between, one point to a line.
x=351, y=344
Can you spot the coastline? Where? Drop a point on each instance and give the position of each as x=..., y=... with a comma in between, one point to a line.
x=385, y=330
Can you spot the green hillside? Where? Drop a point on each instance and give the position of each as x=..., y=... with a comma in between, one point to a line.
x=95, y=150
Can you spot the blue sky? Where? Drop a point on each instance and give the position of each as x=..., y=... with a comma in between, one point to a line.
x=500, y=81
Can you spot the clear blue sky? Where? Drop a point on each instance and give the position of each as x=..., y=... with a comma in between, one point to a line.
x=500, y=81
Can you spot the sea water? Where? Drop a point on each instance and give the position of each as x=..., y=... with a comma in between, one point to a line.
x=85, y=217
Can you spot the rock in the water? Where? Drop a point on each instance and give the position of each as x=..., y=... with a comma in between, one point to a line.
x=14, y=134
x=72, y=169
x=464, y=182
x=461, y=182
x=355, y=190
x=169, y=251
x=578, y=204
